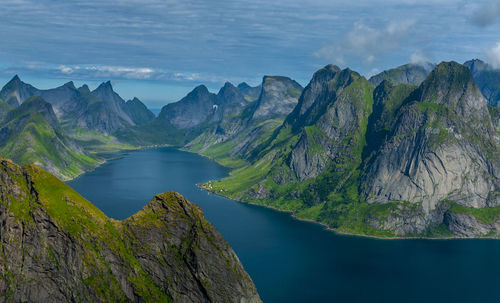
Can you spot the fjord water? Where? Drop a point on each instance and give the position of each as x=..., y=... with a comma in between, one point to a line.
x=295, y=261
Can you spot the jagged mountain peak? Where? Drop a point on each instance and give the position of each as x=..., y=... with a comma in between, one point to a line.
x=84, y=89
x=476, y=64
x=488, y=80
x=324, y=83
x=104, y=86
x=230, y=94
x=250, y=93
x=70, y=84
x=452, y=84
x=332, y=67
x=228, y=84
x=15, y=79
x=34, y=104
x=243, y=85
x=105, y=92
x=200, y=90
x=229, y=91
x=411, y=73
x=13, y=83
x=279, y=96
x=326, y=71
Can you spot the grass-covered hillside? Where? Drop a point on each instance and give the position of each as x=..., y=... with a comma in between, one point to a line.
x=340, y=158
x=57, y=246
x=31, y=134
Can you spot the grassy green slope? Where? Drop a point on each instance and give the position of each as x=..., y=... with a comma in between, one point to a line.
x=332, y=197
x=27, y=137
x=100, y=239
x=269, y=180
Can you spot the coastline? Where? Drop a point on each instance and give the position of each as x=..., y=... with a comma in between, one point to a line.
x=340, y=233
x=291, y=213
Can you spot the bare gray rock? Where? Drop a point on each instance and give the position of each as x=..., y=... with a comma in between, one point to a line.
x=406, y=74
x=278, y=98
x=442, y=146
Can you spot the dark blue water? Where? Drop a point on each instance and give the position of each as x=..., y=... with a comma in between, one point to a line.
x=294, y=261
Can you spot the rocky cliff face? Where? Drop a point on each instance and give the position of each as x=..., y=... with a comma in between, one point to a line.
x=16, y=91
x=333, y=125
x=442, y=146
x=495, y=117
x=412, y=74
x=56, y=246
x=278, y=98
x=102, y=110
x=138, y=112
x=399, y=160
x=4, y=109
x=488, y=80
x=247, y=124
x=250, y=93
x=190, y=111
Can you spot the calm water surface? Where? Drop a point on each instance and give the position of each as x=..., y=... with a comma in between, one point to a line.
x=294, y=261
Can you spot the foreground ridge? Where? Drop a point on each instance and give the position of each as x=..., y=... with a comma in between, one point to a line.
x=57, y=246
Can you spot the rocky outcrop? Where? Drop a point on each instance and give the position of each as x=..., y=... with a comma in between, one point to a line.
x=331, y=128
x=468, y=226
x=190, y=111
x=411, y=73
x=244, y=124
x=442, y=146
x=251, y=93
x=397, y=160
x=278, y=98
x=138, y=112
x=58, y=247
x=16, y=91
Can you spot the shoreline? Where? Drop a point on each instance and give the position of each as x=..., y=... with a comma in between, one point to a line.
x=335, y=231
x=291, y=213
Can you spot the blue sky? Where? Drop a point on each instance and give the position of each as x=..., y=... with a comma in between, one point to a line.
x=158, y=50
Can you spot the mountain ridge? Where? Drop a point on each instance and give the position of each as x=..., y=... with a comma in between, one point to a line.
x=165, y=252
x=299, y=169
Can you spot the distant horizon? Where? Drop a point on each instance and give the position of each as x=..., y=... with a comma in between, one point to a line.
x=130, y=88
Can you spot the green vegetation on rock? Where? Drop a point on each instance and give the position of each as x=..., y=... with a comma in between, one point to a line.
x=167, y=252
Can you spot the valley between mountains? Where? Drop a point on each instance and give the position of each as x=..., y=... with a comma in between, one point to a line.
x=410, y=152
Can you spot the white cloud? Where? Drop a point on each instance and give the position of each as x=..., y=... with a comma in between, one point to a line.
x=65, y=69
x=366, y=42
x=493, y=56
x=418, y=57
x=105, y=71
x=125, y=72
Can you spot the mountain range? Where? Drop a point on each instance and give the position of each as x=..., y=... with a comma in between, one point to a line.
x=412, y=151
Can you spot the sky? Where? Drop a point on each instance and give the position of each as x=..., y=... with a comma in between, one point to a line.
x=158, y=50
